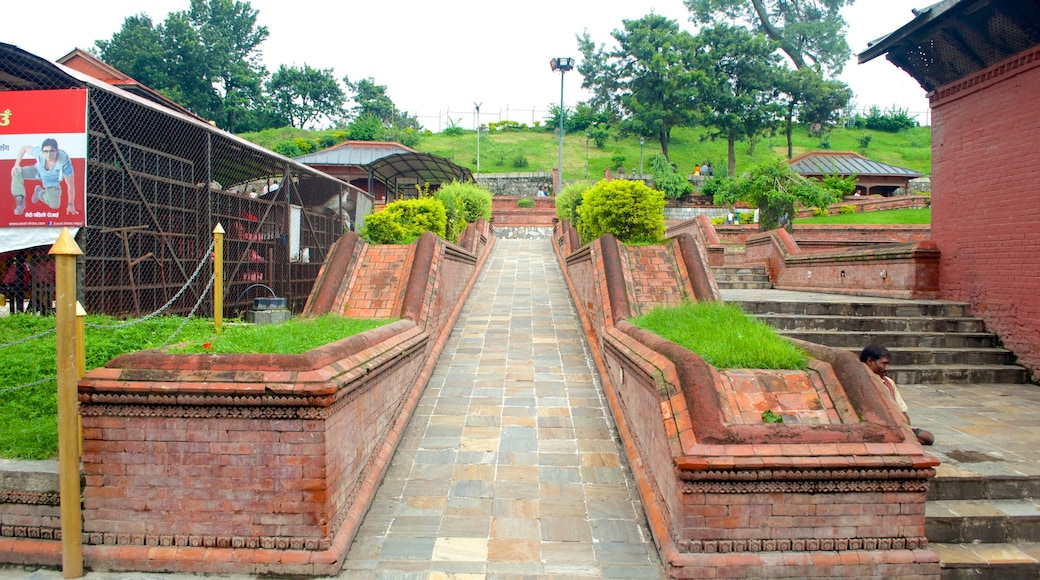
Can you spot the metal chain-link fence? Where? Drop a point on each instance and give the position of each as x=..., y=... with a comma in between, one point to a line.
x=158, y=181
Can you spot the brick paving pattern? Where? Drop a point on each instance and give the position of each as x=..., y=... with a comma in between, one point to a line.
x=510, y=466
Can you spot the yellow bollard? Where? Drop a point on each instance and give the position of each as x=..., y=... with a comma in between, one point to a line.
x=81, y=363
x=218, y=277
x=65, y=251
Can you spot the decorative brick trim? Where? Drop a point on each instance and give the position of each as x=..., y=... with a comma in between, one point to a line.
x=987, y=77
x=34, y=532
x=806, y=481
x=801, y=545
x=29, y=497
x=196, y=541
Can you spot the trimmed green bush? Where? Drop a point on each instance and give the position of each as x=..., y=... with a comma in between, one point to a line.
x=629, y=210
x=463, y=203
x=525, y=202
x=847, y=209
x=402, y=222
x=568, y=200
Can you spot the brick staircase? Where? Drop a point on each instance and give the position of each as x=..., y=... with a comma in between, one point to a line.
x=982, y=525
x=742, y=277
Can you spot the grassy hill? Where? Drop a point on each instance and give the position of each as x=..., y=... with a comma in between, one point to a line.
x=508, y=151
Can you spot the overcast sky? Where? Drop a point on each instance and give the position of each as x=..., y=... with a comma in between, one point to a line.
x=437, y=59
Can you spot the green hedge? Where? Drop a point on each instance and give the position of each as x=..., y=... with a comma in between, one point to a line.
x=629, y=210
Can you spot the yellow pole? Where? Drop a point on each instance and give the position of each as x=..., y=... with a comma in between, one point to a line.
x=218, y=277
x=65, y=251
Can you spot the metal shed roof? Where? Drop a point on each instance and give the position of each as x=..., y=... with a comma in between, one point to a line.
x=846, y=163
x=952, y=39
x=424, y=167
x=354, y=153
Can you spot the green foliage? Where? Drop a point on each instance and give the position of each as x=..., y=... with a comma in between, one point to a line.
x=367, y=128
x=667, y=180
x=305, y=94
x=819, y=211
x=599, y=134
x=891, y=121
x=463, y=203
x=718, y=220
x=372, y=100
x=287, y=148
x=847, y=209
x=629, y=210
x=520, y=161
x=768, y=417
x=775, y=189
x=921, y=216
x=838, y=184
x=568, y=200
x=864, y=142
x=506, y=125
x=723, y=335
x=525, y=202
x=811, y=32
x=402, y=222
x=453, y=131
x=303, y=145
x=617, y=160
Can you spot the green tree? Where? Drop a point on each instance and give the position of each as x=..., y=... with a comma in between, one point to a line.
x=739, y=93
x=809, y=32
x=629, y=210
x=811, y=99
x=371, y=99
x=667, y=179
x=206, y=58
x=650, y=79
x=775, y=189
x=305, y=94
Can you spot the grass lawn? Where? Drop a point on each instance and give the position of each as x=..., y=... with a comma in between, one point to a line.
x=892, y=217
x=28, y=390
x=723, y=335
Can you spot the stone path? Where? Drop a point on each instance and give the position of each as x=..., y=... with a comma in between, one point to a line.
x=510, y=466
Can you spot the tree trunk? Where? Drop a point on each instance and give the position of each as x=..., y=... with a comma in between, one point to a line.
x=790, y=116
x=731, y=151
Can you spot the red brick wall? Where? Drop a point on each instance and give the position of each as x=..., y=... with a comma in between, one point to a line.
x=658, y=280
x=985, y=176
x=378, y=285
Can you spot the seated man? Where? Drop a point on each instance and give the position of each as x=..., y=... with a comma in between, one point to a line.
x=877, y=358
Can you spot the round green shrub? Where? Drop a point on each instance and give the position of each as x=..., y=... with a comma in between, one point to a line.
x=525, y=202
x=402, y=222
x=463, y=203
x=629, y=210
x=847, y=209
x=568, y=200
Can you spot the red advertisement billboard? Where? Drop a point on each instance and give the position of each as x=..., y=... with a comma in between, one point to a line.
x=43, y=158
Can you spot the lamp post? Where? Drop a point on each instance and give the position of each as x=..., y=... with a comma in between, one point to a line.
x=477, y=107
x=562, y=64
x=586, y=155
x=641, y=157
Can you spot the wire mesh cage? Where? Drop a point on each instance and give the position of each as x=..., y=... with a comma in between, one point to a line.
x=158, y=181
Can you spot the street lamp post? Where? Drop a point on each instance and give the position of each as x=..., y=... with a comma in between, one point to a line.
x=586, y=155
x=640, y=157
x=562, y=64
x=477, y=107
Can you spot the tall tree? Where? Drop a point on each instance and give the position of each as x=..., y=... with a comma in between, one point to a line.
x=740, y=96
x=206, y=58
x=305, y=94
x=650, y=78
x=809, y=32
x=811, y=99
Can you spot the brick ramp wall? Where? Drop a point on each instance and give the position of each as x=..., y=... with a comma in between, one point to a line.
x=249, y=464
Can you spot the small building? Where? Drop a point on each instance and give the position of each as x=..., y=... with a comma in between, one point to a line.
x=872, y=177
x=979, y=60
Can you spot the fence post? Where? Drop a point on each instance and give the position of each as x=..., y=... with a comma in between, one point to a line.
x=65, y=251
x=218, y=278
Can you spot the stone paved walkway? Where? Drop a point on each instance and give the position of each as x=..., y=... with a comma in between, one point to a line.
x=510, y=466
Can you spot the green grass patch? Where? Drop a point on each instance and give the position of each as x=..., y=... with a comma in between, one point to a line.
x=723, y=335
x=912, y=216
x=28, y=411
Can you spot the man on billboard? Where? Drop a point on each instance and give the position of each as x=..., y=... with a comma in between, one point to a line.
x=52, y=166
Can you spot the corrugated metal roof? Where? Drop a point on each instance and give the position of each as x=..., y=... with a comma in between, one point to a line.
x=354, y=153
x=846, y=163
x=424, y=167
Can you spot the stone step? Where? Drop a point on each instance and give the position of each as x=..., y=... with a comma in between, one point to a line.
x=739, y=270
x=984, y=521
x=996, y=487
x=905, y=357
x=908, y=308
x=744, y=277
x=988, y=561
x=916, y=324
x=730, y=285
x=894, y=340
x=957, y=374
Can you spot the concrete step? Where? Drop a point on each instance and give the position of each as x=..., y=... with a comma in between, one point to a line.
x=915, y=324
x=985, y=521
x=895, y=339
x=988, y=561
x=905, y=309
x=744, y=285
x=995, y=487
x=745, y=277
x=957, y=374
x=940, y=356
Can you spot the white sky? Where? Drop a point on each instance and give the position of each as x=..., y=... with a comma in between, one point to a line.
x=439, y=58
